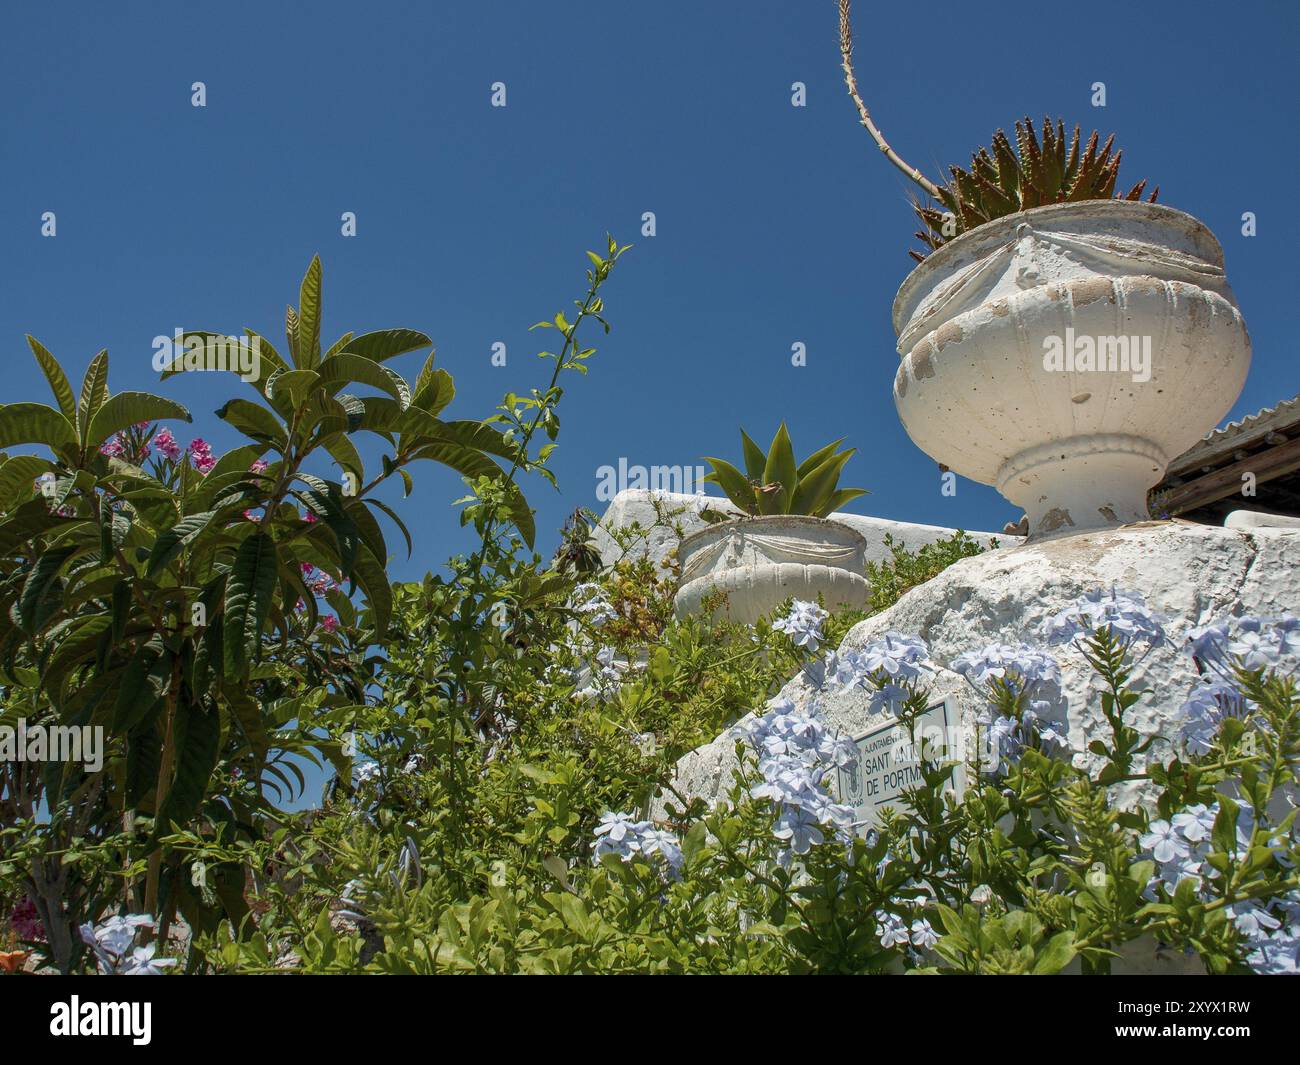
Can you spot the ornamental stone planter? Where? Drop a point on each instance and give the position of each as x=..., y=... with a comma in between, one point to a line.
x=1065, y=354
x=760, y=562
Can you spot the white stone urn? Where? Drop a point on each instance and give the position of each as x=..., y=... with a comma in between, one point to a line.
x=760, y=562
x=997, y=382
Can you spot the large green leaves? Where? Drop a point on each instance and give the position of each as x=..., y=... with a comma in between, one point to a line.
x=250, y=587
x=56, y=377
x=35, y=423
x=309, y=307
x=387, y=343
x=127, y=409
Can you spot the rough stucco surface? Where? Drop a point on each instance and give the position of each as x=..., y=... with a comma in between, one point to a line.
x=638, y=505
x=1189, y=573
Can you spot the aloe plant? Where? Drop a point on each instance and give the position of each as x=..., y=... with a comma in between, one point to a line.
x=773, y=484
x=1003, y=180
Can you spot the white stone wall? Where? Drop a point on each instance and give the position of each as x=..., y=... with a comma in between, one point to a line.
x=644, y=506
x=1189, y=573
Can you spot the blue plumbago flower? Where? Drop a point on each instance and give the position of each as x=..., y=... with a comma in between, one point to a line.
x=1019, y=666
x=1271, y=936
x=803, y=624
x=1259, y=643
x=798, y=828
x=890, y=930
x=923, y=935
x=1124, y=613
x=663, y=843
x=621, y=834
x=1164, y=842
x=1208, y=643
x=797, y=751
x=886, y=667
x=1196, y=823
x=590, y=602
x=366, y=773
x=113, y=943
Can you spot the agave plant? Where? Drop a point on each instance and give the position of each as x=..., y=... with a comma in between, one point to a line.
x=1001, y=181
x=773, y=484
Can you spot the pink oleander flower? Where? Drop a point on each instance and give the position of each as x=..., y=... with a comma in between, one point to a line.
x=330, y=623
x=310, y=518
x=27, y=922
x=201, y=453
x=306, y=568
x=112, y=446
x=260, y=466
x=142, y=426
x=166, y=444
x=144, y=453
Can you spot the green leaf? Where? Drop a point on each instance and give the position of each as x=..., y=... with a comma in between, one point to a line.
x=373, y=578
x=309, y=308
x=40, y=598
x=819, y=485
x=249, y=589
x=94, y=391
x=755, y=460
x=435, y=393
x=197, y=739
x=174, y=540
x=839, y=498
x=386, y=343
x=255, y=421
x=780, y=469
x=296, y=384
x=734, y=483
x=56, y=377
x=17, y=476
x=126, y=409
x=817, y=458
x=143, y=682
x=1057, y=954
x=340, y=369
x=35, y=423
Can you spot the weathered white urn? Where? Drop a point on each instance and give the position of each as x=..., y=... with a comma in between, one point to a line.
x=1066, y=354
x=760, y=562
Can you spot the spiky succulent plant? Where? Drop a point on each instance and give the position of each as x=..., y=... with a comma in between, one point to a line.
x=1003, y=180
x=773, y=484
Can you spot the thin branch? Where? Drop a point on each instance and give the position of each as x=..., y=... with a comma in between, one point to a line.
x=846, y=54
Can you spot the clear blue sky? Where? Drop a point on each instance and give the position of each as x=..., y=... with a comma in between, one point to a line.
x=776, y=224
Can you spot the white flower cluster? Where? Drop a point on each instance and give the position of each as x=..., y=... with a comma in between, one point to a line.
x=803, y=624
x=892, y=931
x=590, y=601
x=623, y=835
x=1124, y=613
x=113, y=943
x=796, y=752
x=1019, y=666
x=1217, y=647
x=1025, y=670
x=887, y=668
x=1180, y=847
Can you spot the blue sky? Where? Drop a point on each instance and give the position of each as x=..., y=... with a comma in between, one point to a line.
x=776, y=224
